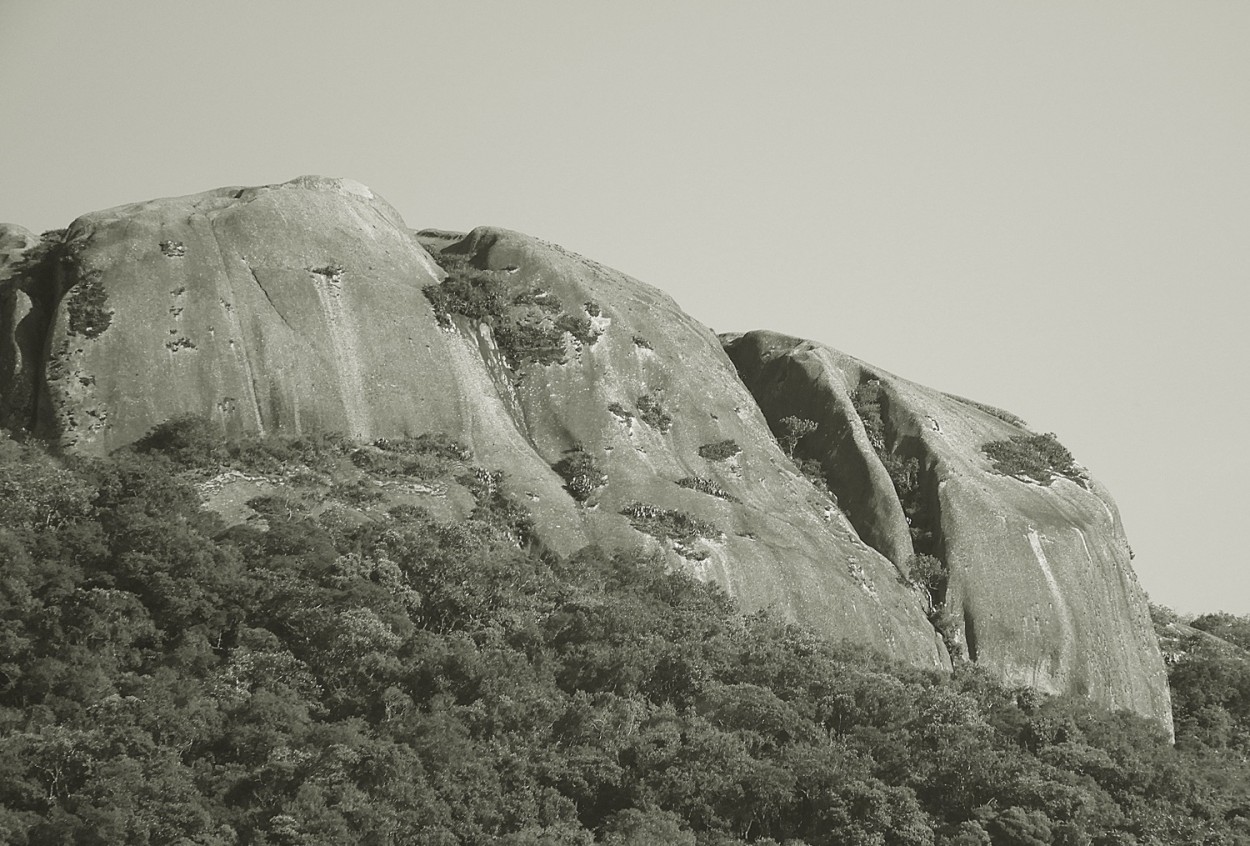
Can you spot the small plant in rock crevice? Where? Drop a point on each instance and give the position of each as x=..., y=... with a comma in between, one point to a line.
x=706, y=486
x=668, y=523
x=87, y=306
x=720, y=450
x=581, y=473
x=652, y=413
x=814, y=471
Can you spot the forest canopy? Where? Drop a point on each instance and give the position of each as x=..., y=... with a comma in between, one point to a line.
x=340, y=668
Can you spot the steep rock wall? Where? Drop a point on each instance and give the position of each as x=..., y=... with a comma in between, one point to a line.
x=1040, y=587
x=780, y=542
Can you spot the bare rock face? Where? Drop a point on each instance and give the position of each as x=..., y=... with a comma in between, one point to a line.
x=286, y=308
x=1038, y=585
x=303, y=307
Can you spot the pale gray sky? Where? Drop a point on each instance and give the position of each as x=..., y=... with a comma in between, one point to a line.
x=1043, y=206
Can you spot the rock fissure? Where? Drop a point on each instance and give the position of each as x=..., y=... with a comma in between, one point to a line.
x=238, y=340
x=265, y=291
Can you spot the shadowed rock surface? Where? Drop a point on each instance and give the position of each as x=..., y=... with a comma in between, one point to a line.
x=1040, y=589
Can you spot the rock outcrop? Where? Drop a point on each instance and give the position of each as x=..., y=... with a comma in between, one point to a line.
x=1038, y=585
x=301, y=307
x=616, y=418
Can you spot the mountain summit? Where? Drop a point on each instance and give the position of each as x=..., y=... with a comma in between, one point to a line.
x=799, y=479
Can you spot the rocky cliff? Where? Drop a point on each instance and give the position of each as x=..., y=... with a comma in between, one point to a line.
x=1036, y=582
x=615, y=417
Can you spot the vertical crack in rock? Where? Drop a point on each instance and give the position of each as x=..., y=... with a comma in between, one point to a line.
x=269, y=299
x=239, y=345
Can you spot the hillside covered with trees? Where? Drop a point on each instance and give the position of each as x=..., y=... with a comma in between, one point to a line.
x=340, y=668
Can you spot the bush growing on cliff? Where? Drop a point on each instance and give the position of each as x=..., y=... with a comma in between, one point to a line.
x=814, y=471
x=426, y=456
x=530, y=340
x=929, y=573
x=793, y=430
x=1038, y=457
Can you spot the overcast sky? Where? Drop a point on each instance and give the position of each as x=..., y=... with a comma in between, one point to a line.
x=1044, y=206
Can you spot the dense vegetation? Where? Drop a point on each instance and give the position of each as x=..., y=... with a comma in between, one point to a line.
x=338, y=671
x=1209, y=670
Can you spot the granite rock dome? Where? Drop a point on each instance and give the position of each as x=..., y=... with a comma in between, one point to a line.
x=311, y=306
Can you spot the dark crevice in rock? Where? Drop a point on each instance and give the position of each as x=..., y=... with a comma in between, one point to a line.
x=784, y=386
x=912, y=471
x=902, y=456
x=870, y=456
x=970, y=636
x=28, y=303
